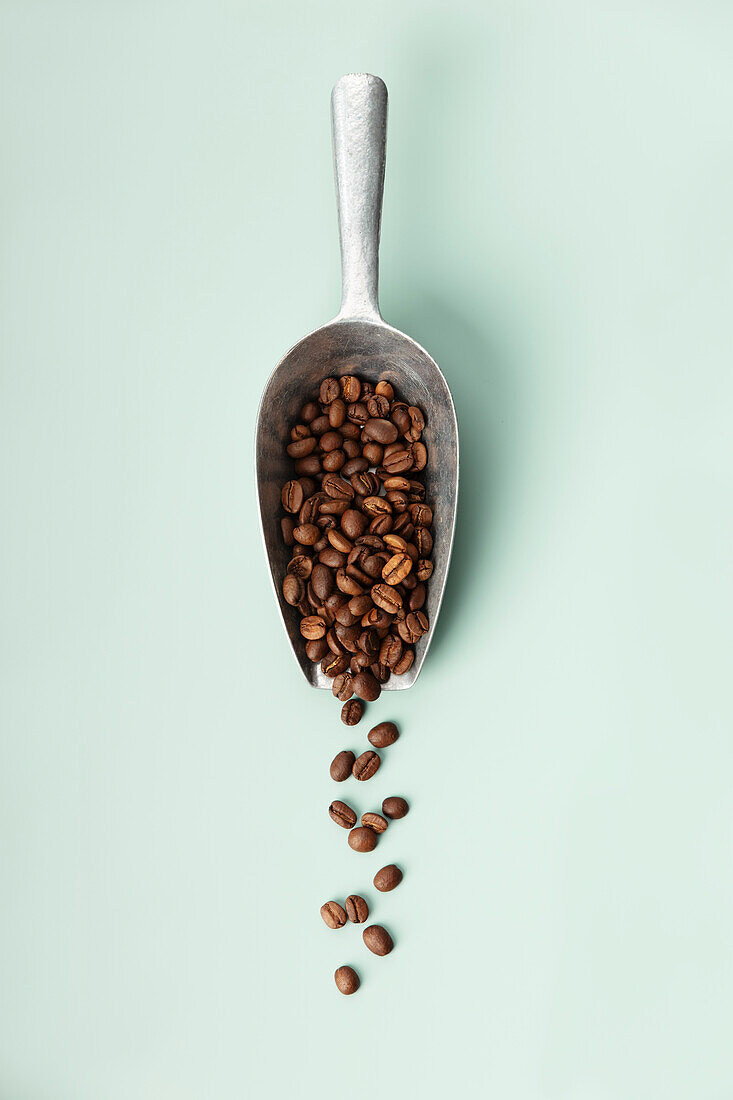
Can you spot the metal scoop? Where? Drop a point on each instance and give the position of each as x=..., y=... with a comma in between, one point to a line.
x=359, y=342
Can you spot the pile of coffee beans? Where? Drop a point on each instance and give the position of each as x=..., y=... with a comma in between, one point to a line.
x=359, y=529
x=364, y=837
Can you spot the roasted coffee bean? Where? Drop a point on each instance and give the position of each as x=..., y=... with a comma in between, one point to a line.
x=350, y=388
x=333, y=461
x=342, y=814
x=292, y=589
x=362, y=839
x=374, y=821
x=333, y=914
x=373, y=453
x=394, y=807
x=417, y=597
x=302, y=447
x=383, y=735
x=347, y=980
x=390, y=651
x=405, y=662
x=419, y=456
x=381, y=431
x=366, y=687
x=385, y=389
x=336, y=488
x=343, y=687
x=387, y=878
x=357, y=412
x=417, y=623
x=377, y=939
x=334, y=663
x=312, y=627
x=357, y=910
x=351, y=712
x=287, y=526
x=337, y=412
x=386, y=597
x=292, y=496
x=380, y=672
x=356, y=465
x=341, y=766
x=396, y=569
x=366, y=765
x=309, y=412
x=330, y=390
x=316, y=649
x=424, y=570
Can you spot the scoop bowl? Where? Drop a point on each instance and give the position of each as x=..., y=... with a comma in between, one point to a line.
x=358, y=342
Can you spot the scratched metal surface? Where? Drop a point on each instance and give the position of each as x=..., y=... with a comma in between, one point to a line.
x=359, y=342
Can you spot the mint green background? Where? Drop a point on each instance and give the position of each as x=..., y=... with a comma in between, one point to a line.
x=558, y=233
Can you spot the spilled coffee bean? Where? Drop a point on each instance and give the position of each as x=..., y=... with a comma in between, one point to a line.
x=333, y=914
x=377, y=939
x=366, y=765
x=362, y=839
x=357, y=910
x=342, y=814
x=387, y=878
x=383, y=735
x=347, y=980
x=394, y=807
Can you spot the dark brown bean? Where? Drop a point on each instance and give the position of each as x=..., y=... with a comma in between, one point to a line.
x=343, y=687
x=387, y=878
x=394, y=807
x=347, y=980
x=341, y=765
x=383, y=735
x=362, y=839
x=334, y=915
x=366, y=765
x=351, y=712
x=374, y=821
x=342, y=814
x=357, y=910
x=366, y=687
x=377, y=939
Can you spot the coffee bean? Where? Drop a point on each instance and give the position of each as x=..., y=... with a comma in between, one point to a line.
x=386, y=597
x=377, y=939
x=292, y=496
x=387, y=878
x=381, y=431
x=341, y=765
x=343, y=686
x=374, y=821
x=366, y=765
x=351, y=712
x=293, y=589
x=394, y=807
x=383, y=735
x=312, y=627
x=357, y=910
x=330, y=390
x=347, y=980
x=333, y=914
x=366, y=686
x=396, y=569
x=350, y=388
x=342, y=814
x=362, y=839
x=405, y=662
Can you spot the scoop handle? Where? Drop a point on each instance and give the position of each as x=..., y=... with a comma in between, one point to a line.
x=359, y=118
